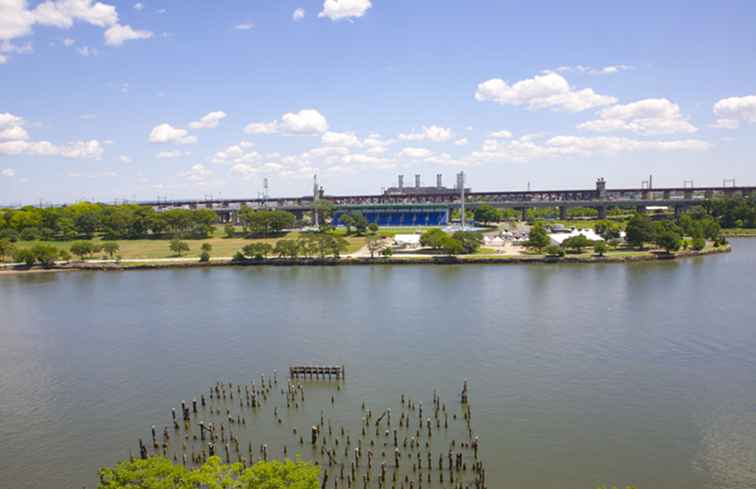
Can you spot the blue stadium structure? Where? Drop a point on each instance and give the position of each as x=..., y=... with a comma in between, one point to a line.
x=386, y=217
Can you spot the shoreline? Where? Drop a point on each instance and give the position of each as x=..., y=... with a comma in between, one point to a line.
x=366, y=261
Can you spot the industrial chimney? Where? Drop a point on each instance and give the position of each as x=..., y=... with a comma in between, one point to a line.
x=417, y=180
x=439, y=183
x=401, y=182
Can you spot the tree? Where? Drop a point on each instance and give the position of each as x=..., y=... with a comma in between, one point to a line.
x=608, y=230
x=205, y=249
x=640, y=229
x=538, y=238
x=374, y=245
x=470, y=241
x=229, y=230
x=82, y=249
x=25, y=256
x=387, y=252
x=577, y=243
x=161, y=473
x=347, y=220
x=360, y=223
x=111, y=248
x=178, y=247
x=486, y=213
x=600, y=247
x=433, y=238
x=372, y=228
x=554, y=251
x=324, y=209
x=669, y=240
x=452, y=246
x=6, y=248
x=64, y=255
x=45, y=254
x=698, y=244
x=257, y=251
x=287, y=248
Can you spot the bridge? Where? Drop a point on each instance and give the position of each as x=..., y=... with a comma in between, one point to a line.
x=419, y=200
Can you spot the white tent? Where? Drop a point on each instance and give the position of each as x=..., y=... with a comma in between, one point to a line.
x=559, y=238
x=407, y=240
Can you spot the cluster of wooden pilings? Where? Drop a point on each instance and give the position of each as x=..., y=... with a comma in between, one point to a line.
x=414, y=446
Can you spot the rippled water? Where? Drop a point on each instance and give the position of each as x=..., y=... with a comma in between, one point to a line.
x=581, y=375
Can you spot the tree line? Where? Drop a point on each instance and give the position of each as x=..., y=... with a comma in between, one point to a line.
x=308, y=245
x=84, y=220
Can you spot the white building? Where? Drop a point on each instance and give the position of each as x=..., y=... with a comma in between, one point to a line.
x=559, y=238
x=407, y=240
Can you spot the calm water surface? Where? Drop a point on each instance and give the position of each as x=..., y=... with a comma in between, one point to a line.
x=581, y=375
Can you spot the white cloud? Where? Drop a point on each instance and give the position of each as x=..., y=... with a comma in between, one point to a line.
x=86, y=51
x=8, y=119
x=166, y=155
x=344, y=9
x=68, y=42
x=606, y=70
x=298, y=14
x=734, y=110
x=243, y=170
x=125, y=159
x=648, y=116
x=79, y=149
x=307, y=121
x=547, y=91
x=139, y=6
x=208, y=121
x=197, y=173
x=262, y=127
x=165, y=133
x=525, y=149
x=3, y=59
x=339, y=139
x=63, y=13
x=8, y=172
x=415, y=153
x=247, y=26
x=118, y=34
x=15, y=19
x=461, y=142
x=14, y=133
x=432, y=133
x=503, y=134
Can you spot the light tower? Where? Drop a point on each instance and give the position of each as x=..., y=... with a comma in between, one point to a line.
x=315, y=196
x=461, y=185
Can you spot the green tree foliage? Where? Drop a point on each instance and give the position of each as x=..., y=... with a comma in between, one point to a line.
x=608, y=230
x=287, y=248
x=668, y=239
x=576, y=212
x=433, y=238
x=265, y=222
x=111, y=248
x=325, y=210
x=45, y=254
x=733, y=212
x=372, y=228
x=486, y=213
x=577, y=243
x=229, y=230
x=83, y=249
x=6, y=248
x=178, y=247
x=538, y=237
x=554, y=251
x=698, y=244
x=600, y=247
x=347, y=220
x=354, y=220
x=640, y=229
x=469, y=240
x=64, y=255
x=205, y=250
x=452, y=246
x=257, y=251
x=161, y=473
x=25, y=256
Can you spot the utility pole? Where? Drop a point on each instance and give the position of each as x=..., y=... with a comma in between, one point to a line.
x=461, y=184
x=315, y=195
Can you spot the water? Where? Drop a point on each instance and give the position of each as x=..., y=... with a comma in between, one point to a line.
x=581, y=376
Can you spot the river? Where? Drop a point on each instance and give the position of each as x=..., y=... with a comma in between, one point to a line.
x=580, y=376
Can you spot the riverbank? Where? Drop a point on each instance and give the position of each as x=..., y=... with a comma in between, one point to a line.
x=620, y=257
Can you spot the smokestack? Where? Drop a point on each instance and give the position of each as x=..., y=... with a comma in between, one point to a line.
x=417, y=180
x=439, y=183
x=401, y=182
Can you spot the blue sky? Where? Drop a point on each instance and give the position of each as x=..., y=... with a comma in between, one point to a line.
x=123, y=100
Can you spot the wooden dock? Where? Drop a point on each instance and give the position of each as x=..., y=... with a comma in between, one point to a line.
x=317, y=372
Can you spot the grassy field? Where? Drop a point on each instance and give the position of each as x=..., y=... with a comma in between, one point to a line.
x=732, y=233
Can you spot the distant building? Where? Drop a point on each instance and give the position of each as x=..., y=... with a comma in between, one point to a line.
x=418, y=188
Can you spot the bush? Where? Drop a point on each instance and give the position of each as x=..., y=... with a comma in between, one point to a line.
x=698, y=244
x=30, y=234
x=25, y=256
x=45, y=254
x=553, y=250
x=204, y=257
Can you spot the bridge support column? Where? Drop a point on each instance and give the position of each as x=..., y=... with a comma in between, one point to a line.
x=601, y=212
x=562, y=212
x=524, y=214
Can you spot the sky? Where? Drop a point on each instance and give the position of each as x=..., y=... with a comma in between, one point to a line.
x=110, y=100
